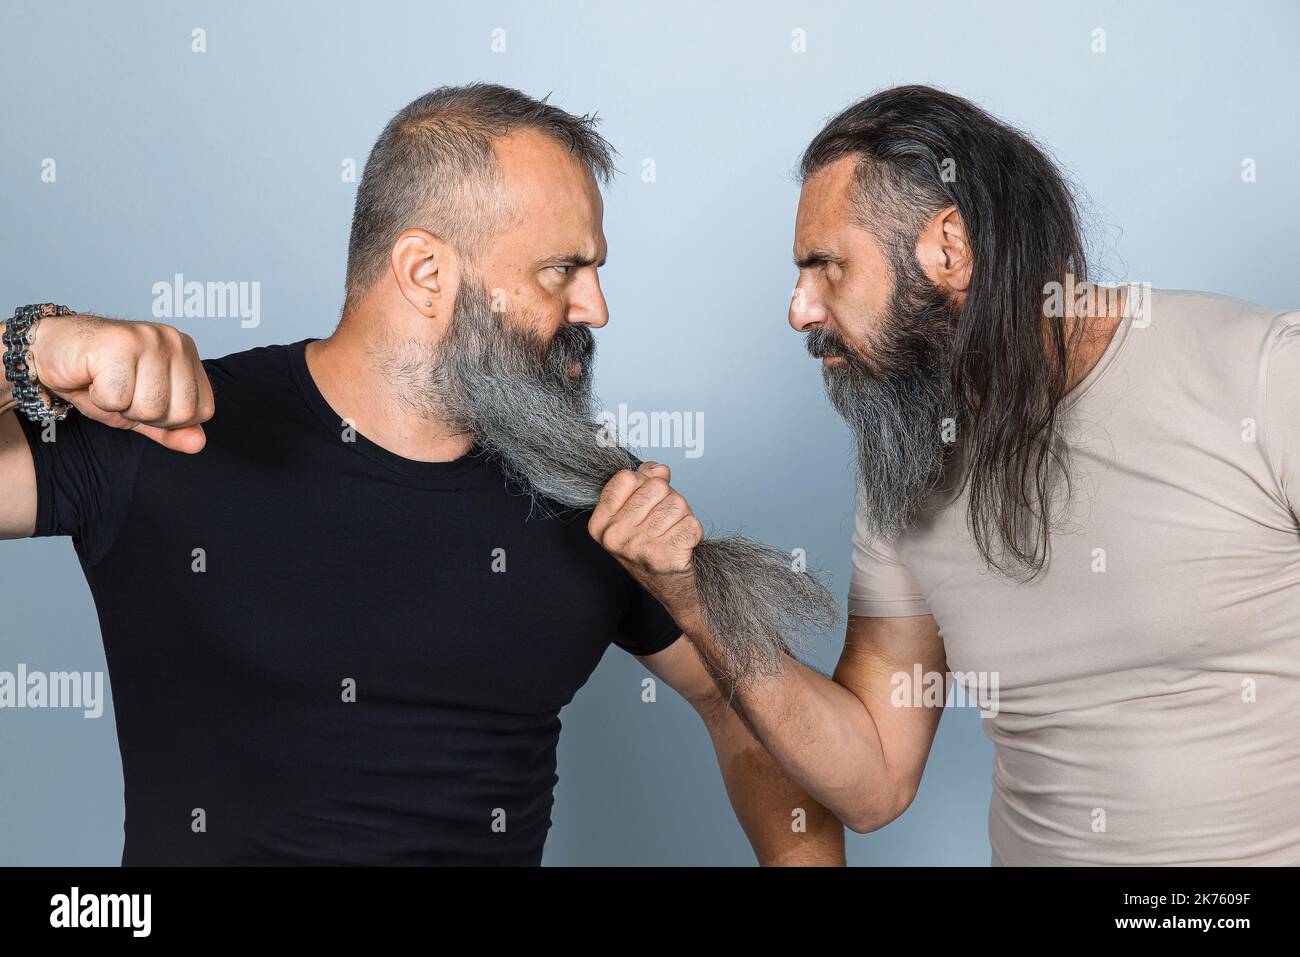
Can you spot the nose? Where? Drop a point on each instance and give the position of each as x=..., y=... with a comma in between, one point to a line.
x=587, y=304
x=806, y=308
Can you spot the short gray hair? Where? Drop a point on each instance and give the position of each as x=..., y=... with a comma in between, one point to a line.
x=433, y=166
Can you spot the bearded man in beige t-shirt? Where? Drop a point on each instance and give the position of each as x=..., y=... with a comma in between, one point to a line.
x=1077, y=509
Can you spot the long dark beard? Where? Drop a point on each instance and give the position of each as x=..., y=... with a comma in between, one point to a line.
x=513, y=394
x=896, y=396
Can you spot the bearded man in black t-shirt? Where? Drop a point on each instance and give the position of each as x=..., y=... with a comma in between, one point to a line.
x=335, y=620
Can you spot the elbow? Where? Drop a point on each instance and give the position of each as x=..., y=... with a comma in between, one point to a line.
x=866, y=816
x=864, y=822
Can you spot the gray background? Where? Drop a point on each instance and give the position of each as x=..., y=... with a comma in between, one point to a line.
x=226, y=165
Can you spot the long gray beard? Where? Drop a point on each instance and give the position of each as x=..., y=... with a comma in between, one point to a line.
x=513, y=394
x=899, y=406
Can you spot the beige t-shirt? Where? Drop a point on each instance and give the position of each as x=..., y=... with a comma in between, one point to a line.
x=1148, y=684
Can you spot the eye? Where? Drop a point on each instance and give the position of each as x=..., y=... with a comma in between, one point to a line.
x=563, y=269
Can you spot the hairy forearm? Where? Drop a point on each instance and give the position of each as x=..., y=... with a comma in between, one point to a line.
x=785, y=826
x=819, y=732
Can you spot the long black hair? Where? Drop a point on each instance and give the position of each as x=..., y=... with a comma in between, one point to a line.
x=922, y=150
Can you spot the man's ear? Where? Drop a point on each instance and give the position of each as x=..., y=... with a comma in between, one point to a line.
x=944, y=253
x=427, y=271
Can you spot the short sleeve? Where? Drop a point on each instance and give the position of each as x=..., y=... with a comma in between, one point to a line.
x=881, y=586
x=1281, y=427
x=646, y=627
x=85, y=473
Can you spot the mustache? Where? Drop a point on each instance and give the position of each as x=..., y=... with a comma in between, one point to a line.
x=571, y=344
x=823, y=343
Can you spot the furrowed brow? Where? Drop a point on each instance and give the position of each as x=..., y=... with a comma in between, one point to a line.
x=576, y=260
x=815, y=257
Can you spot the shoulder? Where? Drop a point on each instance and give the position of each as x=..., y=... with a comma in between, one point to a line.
x=260, y=363
x=259, y=376
x=1222, y=340
x=1211, y=318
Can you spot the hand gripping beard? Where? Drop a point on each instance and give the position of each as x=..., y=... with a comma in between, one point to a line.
x=517, y=396
x=896, y=401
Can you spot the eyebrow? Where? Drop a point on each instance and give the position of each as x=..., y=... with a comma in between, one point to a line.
x=816, y=257
x=576, y=260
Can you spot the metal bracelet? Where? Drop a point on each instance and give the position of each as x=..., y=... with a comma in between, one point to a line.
x=18, y=367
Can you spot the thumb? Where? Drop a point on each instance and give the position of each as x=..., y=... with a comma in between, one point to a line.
x=189, y=440
x=656, y=470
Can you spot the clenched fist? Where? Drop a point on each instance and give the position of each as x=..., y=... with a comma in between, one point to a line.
x=129, y=375
x=650, y=529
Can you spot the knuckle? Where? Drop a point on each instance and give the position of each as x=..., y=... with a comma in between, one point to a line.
x=617, y=484
x=189, y=391
x=112, y=389
x=139, y=344
x=615, y=539
x=665, y=514
x=651, y=490
x=117, y=340
x=151, y=400
x=147, y=410
x=684, y=537
x=159, y=340
x=185, y=409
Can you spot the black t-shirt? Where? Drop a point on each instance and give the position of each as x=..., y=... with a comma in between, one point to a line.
x=321, y=652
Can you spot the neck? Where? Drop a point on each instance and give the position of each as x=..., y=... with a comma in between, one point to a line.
x=1094, y=335
x=369, y=375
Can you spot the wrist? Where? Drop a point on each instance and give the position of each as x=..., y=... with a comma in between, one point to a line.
x=25, y=390
x=38, y=334
x=681, y=600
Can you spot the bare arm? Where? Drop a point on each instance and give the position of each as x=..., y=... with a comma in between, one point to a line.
x=128, y=375
x=17, y=476
x=841, y=739
x=844, y=739
x=784, y=825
